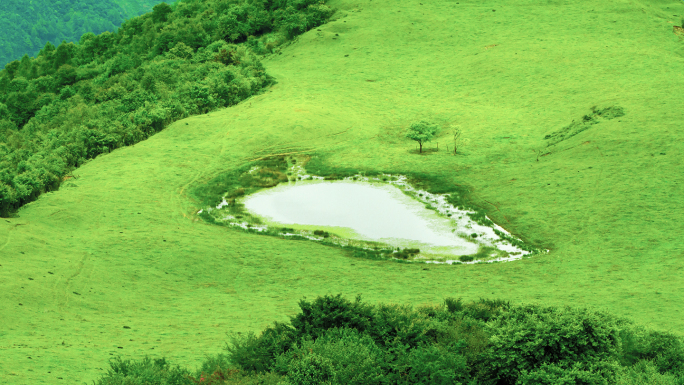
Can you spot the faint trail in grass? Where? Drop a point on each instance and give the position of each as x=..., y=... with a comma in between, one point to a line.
x=178, y=202
x=590, y=217
x=278, y=148
x=9, y=235
x=497, y=209
x=282, y=154
x=79, y=269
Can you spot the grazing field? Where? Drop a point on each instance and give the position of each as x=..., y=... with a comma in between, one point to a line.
x=117, y=262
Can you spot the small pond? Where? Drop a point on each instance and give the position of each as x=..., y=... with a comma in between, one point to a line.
x=360, y=210
x=382, y=215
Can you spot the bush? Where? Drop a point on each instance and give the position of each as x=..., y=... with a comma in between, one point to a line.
x=602, y=373
x=146, y=371
x=664, y=350
x=330, y=312
x=527, y=339
x=321, y=233
x=645, y=373
x=393, y=325
x=438, y=365
x=453, y=305
x=257, y=354
x=485, y=309
x=354, y=357
x=311, y=369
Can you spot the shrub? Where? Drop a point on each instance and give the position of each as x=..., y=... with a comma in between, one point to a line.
x=330, y=312
x=664, y=350
x=400, y=324
x=145, y=371
x=437, y=365
x=526, y=338
x=257, y=354
x=453, y=305
x=406, y=253
x=485, y=309
x=645, y=373
x=601, y=373
x=354, y=357
x=311, y=369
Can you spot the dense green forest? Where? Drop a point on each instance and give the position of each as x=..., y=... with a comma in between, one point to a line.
x=27, y=25
x=333, y=340
x=78, y=100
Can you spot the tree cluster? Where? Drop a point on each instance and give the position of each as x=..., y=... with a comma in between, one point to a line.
x=75, y=101
x=27, y=26
x=334, y=340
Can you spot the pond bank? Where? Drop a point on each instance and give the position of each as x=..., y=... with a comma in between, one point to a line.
x=383, y=214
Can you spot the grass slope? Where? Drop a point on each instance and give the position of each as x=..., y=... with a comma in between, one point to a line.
x=607, y=202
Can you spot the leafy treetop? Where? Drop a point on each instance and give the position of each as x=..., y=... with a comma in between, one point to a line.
x=421, y=132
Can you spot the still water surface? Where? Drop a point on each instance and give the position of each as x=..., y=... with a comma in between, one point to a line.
x=373, y=211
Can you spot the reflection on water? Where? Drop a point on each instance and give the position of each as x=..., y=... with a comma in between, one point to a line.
x=374, y=211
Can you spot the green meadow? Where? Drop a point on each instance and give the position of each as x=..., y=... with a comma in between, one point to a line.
x=118, y=263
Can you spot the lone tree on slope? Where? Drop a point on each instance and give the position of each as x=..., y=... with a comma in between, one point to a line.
x=421, y=132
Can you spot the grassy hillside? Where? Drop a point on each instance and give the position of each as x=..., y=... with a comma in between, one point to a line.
x=120, y=244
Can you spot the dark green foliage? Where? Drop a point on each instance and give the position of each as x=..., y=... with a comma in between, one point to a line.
x=646, y=373
x=485, y=309
x=611, y=112
x=160, y=12
x=26, y=28
x=406, y=253
x=664, y=350
x=312, y=369
x=531, y=338
x=369, y=254
x=145, y=371
x=453, y=304
x=439, y=184
x=240, y=181
x=321, y=233
x=329, y=312
x=433, y=364
x=342, y=356
x=399, y=325
x=587, y=121
x=258, y=354
x=338, y=341
x=421, y=132
x=74, y=102
x=601, y=373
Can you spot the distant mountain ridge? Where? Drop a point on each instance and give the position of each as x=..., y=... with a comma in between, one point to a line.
x=25, y=26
